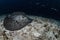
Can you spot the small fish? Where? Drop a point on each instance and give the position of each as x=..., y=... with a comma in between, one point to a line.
x=16, y=21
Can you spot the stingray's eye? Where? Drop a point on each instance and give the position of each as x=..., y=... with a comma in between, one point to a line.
x=23, y=17
x=16, y=22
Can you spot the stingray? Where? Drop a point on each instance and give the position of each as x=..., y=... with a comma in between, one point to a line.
x=16, y=21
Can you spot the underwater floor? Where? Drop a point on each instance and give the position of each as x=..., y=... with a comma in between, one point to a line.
x=39, y=29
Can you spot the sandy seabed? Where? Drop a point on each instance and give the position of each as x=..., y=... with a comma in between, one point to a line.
x=39, y=29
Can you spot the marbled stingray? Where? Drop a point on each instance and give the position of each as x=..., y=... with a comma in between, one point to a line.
x=16, y=21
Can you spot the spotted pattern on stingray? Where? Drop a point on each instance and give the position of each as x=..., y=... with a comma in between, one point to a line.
x=16, y=21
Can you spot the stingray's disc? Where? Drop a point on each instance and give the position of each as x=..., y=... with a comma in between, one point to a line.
x=16, y=21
